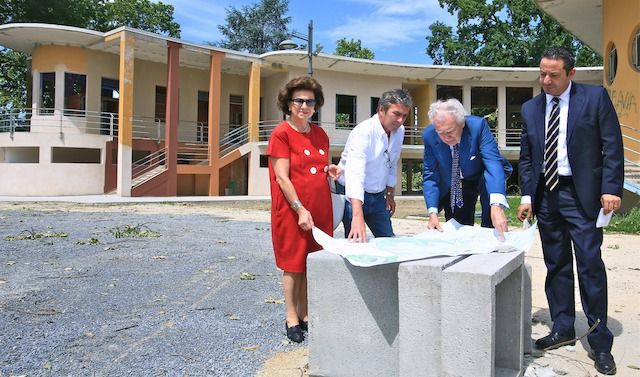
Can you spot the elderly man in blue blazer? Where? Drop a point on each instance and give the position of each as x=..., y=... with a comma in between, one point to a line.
x=571, y=168
x=462, y=162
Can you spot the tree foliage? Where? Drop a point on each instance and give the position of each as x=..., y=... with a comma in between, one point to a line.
x=100, y=15
x=257, y=28
x=500, y=33
x=353, y=49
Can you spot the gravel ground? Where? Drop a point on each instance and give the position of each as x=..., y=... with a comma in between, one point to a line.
x=89, y=303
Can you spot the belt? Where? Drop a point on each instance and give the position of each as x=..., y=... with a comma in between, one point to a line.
x=563, y=180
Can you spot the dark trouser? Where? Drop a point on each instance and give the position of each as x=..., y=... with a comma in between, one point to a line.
x=561, y=222
x=465, y=215
x=376, y=215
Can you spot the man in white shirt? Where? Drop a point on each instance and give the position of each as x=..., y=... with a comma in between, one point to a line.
x=369, y=162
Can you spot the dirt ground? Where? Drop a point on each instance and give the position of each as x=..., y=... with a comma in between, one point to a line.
x=620, y=253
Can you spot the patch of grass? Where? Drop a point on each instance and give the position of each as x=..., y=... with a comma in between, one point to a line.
x=91, y=241
x=628, y=223
x=135, y=231
x=33, y=235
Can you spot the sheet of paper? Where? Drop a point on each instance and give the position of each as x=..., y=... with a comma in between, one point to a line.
x=603, y=220
x=455, y=239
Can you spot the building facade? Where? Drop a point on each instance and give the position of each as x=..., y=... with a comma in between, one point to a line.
x=140, y=114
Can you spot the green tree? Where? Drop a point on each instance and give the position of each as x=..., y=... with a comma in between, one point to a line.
x=257, y=28
x=353, y=49
x=500, y=33
x=100, y=15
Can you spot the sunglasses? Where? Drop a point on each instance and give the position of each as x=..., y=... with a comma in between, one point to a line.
x=308, y=102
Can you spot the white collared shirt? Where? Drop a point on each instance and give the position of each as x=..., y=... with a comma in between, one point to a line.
x=370, y=159
x=564, y=169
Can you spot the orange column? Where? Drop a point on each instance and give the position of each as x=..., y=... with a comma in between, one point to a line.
x=173, y=119
x=125, y=113
x=254, y=102
x=215, y=94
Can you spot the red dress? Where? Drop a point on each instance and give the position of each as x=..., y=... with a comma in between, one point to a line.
x=308, y=156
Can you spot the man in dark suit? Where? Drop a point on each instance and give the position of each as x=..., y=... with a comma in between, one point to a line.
x=571, y=166
x=454, y=141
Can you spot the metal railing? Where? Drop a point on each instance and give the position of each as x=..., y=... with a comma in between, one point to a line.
x=149, y=163
x=234, y=139
x=74, y=121
x=193, y=153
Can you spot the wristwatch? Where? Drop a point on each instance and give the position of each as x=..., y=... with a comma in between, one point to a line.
x=296, y=205
x=499, y=205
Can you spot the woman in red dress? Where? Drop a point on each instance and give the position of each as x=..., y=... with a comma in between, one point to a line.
x=300, y=198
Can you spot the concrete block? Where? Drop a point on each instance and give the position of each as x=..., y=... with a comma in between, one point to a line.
x=482, y=324
x=353, y=318
x=419, y=301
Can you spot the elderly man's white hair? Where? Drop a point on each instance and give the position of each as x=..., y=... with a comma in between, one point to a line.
x=450, y=106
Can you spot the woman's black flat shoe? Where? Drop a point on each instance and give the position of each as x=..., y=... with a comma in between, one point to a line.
x=294, y=333
x=304, y=325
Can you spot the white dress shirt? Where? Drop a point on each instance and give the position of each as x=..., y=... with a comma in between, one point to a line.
x=564, y=169
x=370, y=158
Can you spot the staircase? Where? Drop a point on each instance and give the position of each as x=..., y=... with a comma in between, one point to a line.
x=148, y=167
x=147, y=175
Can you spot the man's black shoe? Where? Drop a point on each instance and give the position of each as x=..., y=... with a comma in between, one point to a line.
x=555, y=340
x=603, y=362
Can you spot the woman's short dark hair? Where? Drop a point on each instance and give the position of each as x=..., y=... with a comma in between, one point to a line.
x=300, y=83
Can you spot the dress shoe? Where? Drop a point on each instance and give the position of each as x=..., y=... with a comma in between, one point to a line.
x=603, y=362
x=294, y=333
x=555, y=340
x=304, y=325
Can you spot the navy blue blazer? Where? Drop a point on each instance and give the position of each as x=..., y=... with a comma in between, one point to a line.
x=479, y=155
x=594, y=146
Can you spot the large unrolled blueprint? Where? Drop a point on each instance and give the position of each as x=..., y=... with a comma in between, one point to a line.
x=455, y=239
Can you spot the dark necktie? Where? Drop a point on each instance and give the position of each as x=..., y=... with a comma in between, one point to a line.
x=456, y=185
x=551, y=147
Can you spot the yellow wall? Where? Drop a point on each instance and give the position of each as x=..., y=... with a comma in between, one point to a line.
x=47, y=58
x=621, y=20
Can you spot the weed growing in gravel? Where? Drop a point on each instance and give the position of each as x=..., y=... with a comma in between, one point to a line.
x=91, y=241
x=140, y=230
x=33, y=235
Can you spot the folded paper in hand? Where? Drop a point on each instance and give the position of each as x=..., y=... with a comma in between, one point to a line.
x=603, y=220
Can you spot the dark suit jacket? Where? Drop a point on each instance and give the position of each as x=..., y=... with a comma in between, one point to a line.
x=479, y=155
x=594, y=146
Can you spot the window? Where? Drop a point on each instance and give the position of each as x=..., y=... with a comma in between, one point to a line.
x=484, y=103
x=374, y=105
x=264, y=161
x=47, y=92
x=411, y=176
x=161, y=103
x=635, y=50
x=20, y=155
x=75, y=92
x=612, y=64
x=202, y=130
x=109, y=97
x=515, y=98
x=236, y=109
x=75, y=155
x=345, y=111
x=446, y=92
